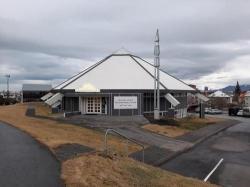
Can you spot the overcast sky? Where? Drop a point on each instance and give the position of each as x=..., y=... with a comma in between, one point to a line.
x=204, y=42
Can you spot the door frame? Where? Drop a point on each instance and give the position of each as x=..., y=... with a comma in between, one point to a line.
x=96, y=105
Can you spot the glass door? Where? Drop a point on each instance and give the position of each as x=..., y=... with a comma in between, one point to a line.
x=94, y=105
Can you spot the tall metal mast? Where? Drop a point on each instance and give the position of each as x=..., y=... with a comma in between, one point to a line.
x=157, y=77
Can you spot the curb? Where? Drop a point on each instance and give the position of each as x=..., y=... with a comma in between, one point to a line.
x=234, y=122
x=196, y=143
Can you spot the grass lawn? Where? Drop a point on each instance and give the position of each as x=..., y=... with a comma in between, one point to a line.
x=166, y=130
x=42, y=109
x=194, y=123
x=53, y=133
x=92, y=169
x=181, y=126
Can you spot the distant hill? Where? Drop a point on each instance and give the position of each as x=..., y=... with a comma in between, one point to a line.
x=244, y=87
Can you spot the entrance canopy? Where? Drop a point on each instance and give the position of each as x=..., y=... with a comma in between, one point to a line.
x=202, y=97
x=172, y=100
x=54, y=99
x=47, y=96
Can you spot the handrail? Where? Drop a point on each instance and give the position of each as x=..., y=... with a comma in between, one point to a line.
x=125, y=137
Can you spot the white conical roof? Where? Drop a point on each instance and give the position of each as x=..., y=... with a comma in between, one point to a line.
x=122, y=71
x=122, y=51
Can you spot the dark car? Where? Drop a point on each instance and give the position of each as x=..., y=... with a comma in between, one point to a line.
x=232, y=111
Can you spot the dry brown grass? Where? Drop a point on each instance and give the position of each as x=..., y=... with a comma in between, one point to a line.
x=53, y=134
x=194, y=123
x=166, y=130
x=94, y=170
x=207, y=120
x=41, y=109
x=182, y=126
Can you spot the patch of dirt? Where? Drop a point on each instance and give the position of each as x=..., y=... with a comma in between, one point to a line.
x=69, y=151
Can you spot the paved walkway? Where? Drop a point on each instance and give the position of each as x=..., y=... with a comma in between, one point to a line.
x=160, y=148
x=130, y=127
x=24, y=162
x=233, y=145
x=153, y=139
x=104, y=121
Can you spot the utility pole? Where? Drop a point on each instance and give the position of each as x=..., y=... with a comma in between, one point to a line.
x=157, y=77
x=8, y=78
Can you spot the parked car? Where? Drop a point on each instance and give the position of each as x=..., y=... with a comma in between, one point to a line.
x=207, y=110
x=215, y=111
x=232, y=111
x=240, y=113
x=246, y=111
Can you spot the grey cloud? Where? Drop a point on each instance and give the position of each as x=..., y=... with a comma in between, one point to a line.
x=36, y=38
x=37, y=67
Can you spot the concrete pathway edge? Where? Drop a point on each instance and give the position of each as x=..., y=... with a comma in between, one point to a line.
x=196, y=143
x=38, y=141
x=41, y=144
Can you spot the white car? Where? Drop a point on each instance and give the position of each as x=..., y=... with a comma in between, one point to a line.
x=207, y=110
x=215, y=111
x=240, y=113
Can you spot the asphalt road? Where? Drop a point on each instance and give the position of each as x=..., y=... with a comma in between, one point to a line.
x=24, y=162
x=233, y=145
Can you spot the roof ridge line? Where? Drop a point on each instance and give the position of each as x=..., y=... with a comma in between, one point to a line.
x=72, y=77
x=165, y=72
x=147, y=71
x=87, y=70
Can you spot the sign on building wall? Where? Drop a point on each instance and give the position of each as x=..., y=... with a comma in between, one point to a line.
x=125, y=102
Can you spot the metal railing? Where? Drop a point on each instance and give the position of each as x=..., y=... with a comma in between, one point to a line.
x=125, y=137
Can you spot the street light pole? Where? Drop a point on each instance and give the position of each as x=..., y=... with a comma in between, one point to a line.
x=8, y=78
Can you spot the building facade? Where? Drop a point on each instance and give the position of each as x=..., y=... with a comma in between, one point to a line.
x=247, y=99
x=219, y=100
x=33, y=92
x=121, y=103
x=121, y=85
